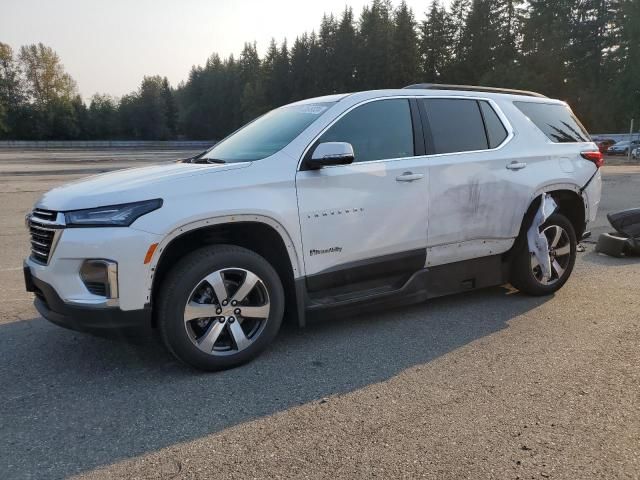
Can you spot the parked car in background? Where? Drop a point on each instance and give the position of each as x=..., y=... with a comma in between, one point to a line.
x=635, y=153
x=603, y=145
x=345, y=201
x=622, y=148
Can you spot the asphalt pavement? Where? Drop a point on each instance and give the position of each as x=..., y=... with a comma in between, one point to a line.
x=491, y=384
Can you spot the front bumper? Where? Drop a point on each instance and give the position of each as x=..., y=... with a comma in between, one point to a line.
x=62, y=296
x=82, y=318
x=125, y=246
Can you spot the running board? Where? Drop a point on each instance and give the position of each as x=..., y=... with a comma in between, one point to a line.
x=424, y=284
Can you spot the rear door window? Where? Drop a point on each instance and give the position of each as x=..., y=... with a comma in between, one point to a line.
x=377, y=130
x=556, y=121
x=456, y=125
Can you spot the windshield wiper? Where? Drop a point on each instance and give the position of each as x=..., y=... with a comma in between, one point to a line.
x=201, y=159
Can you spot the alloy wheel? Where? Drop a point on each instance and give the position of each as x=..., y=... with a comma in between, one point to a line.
x=226, y=311
x=559, y=252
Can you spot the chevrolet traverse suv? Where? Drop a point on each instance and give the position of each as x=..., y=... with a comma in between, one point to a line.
x=338, y=202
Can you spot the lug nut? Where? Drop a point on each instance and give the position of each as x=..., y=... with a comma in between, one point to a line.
x=224, y=303
x=221, y=319
x=237, y=311
x=231, y=319
x=218, y=311
x=234, y=303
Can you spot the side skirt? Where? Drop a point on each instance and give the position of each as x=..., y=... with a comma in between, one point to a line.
x=424, y=284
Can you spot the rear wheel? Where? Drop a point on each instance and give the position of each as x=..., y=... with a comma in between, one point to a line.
x=220, y=307
x=526, y=272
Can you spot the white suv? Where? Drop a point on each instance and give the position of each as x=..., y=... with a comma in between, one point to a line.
x=344, y=201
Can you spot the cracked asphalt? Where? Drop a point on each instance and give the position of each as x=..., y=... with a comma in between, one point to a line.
x=491, y=384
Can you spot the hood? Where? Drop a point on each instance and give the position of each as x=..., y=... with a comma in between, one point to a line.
x=128, y=185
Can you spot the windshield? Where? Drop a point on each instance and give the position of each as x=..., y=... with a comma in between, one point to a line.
x=267, y=134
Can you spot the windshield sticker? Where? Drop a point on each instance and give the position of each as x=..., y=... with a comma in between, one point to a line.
x=312, y=109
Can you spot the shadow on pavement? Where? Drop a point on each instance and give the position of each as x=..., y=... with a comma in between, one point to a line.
x=72, y=402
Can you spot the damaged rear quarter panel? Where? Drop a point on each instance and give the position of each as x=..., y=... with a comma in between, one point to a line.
x=471, y=199
x=474, y=198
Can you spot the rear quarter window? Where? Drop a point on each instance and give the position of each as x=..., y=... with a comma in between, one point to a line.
x=496, y=133
x=556, y=121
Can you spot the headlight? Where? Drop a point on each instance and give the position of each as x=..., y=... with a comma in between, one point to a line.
x=121, y=215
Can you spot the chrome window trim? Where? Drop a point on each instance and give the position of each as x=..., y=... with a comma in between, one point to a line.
x=503, y=118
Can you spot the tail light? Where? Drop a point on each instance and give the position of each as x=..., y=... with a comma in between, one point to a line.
x=594, y=156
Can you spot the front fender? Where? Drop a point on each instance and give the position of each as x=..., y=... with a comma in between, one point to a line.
x=296, y=263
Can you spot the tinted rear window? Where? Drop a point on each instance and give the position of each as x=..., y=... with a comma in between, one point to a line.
x=556, y=121
x=456, y=125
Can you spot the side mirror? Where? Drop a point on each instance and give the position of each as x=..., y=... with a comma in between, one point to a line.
x=331, y=153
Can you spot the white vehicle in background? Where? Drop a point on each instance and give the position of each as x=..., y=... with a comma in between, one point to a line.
x=635, y=154
x=345, y=202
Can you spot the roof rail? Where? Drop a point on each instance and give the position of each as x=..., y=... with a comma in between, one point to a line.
x=473, y=88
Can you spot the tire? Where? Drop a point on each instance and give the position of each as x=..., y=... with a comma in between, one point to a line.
x=527, y=278
x=212, y=341
x=612, y=244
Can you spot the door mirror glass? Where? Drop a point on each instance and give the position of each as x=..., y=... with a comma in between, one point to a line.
x=331, y=153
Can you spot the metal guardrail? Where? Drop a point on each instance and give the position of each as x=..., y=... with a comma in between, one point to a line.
x=618, y=137
x=92, y=144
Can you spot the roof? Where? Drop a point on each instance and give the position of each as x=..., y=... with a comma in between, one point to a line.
x=433, y=89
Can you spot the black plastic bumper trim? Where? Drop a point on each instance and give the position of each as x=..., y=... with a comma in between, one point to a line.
x=53, y=308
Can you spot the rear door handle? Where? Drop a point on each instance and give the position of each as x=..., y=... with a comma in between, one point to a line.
x=516, y=165
x=409, y=177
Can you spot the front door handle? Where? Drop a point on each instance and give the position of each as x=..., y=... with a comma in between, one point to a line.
x=516, y=165
x=409, y=177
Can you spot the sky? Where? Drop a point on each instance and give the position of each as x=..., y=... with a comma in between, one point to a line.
x=108, y=46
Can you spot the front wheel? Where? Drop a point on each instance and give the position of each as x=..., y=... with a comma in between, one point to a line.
x=220, y=307
x=526, y=273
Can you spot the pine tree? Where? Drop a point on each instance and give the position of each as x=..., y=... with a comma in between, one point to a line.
x=480, y=40
x=327, y=43
x=627, y=59
x=282, y=76
x=346, y=52
x=300, y=70
x=375, y=39
x=507, y=21
x=170, y=109
x=545, y=46
x=149, y=110
x=436, y=43
x=252, y=99
x=404, y=53
x=457, y=19
x=103, y=117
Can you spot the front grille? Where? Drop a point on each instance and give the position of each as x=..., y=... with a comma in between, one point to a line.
x=44, y=231
x=48, y=215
